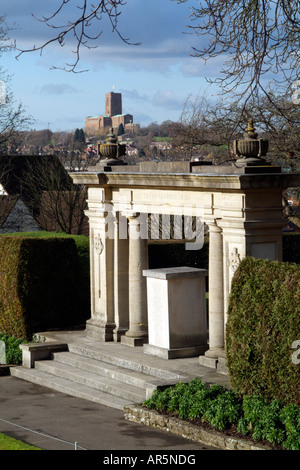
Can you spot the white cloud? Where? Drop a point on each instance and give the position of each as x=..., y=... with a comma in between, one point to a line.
x=167, y=99
x=134, y=95
x=57, y=89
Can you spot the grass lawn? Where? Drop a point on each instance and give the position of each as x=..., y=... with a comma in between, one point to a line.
x=9, y=443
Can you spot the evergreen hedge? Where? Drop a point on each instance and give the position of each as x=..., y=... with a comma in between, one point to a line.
x=40, y=285
x=263, y=323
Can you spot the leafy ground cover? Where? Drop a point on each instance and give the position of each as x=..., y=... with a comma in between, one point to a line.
x=12, y=353
x=254, y=417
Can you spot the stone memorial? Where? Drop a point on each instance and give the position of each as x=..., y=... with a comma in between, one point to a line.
x=177, y=323
x=241, y=205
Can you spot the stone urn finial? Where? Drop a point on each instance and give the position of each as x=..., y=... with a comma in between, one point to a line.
x=250, y=132
x=250, y=150
x=110, y=151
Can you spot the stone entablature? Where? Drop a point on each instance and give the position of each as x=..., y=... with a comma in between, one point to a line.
x=243, y=211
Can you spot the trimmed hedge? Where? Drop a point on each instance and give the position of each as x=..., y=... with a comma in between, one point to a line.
x=40, y=285
x=263, y=322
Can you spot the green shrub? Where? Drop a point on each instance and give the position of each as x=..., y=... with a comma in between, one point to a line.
x=262, y=420
x=290, y=417
x=39, y=285
x=223, y=409
x=215, y=405
x=13, y=353
x=263, y=322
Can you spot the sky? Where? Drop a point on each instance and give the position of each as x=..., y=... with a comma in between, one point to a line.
x=155, y=77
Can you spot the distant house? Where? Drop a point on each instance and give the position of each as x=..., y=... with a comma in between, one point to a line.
x=15, y=216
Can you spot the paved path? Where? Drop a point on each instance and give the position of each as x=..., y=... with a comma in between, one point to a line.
x=69, y=419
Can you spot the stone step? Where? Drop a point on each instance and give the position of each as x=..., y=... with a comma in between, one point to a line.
x=105, y=369
x=126, y=358
x=111, y=374
x=105, y=384
x=68, y=387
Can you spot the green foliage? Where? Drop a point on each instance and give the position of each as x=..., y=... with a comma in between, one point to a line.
x=263, y=323
x=40, y=285
x=262, y=419
x=13, y=353
x=290, y=417
x=223, y=409
x=121, y=130
x=79, y=136
x=215, y=405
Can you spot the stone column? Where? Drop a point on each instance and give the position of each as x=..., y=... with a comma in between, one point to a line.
x=137, y=334
x=121, y=259
x=216, y=298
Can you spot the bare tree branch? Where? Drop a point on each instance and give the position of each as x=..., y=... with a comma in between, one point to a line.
x=90, y=16
x=12, y=115
x=258, y=39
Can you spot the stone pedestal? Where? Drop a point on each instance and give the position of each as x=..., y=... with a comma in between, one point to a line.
x=177, y=325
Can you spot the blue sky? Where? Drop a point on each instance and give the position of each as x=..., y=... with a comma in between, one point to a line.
x=155, y=78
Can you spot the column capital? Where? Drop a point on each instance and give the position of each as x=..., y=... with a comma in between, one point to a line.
x=214, y=226
x=130, y=215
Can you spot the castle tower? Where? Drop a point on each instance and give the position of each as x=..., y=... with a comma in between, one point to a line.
x=113, y=104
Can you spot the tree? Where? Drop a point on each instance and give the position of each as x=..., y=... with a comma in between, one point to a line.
x=12, y=115
x=79, y=138
x=121, y=129
x=212, y=127
x=206, y=125
x=58, y=204
x=258, y=41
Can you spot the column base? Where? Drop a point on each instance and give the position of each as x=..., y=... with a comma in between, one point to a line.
x=174, y=353
x=215, y=359
x=210, y=362
x=222, y=366
x=99, y=331
x=134, y=341
x=118, y=333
